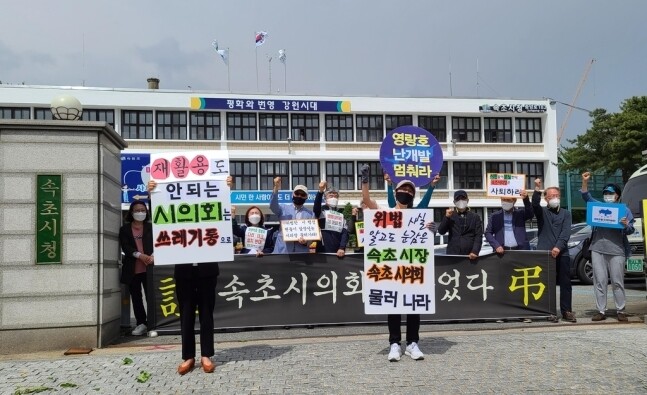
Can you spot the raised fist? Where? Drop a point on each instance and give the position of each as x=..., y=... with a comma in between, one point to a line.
x=277, y=182
x=537, y=183
x=230, y=181
x=435, y=180
x=387, y=178
x=322, y=186
x=365, y=171
x=586, y=176
x=449, y=212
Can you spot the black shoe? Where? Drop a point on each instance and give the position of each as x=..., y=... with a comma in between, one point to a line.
x=599, y=317
x=553, y=318
x=622, y=316
x=569, y=316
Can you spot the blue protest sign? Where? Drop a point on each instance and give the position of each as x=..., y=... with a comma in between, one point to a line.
x=411, y=153
x=605, y=215
x=135, y=173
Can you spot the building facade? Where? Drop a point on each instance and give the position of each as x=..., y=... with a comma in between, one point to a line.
x=305, y=139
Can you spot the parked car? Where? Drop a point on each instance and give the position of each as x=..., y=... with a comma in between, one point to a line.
x=486, y=248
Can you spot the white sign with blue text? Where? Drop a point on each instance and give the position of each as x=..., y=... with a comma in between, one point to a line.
x=605, y=215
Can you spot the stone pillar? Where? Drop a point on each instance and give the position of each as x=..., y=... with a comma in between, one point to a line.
x=75, y=303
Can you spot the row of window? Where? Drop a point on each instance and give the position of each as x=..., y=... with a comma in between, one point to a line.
x=206, y=125
x=345, y=175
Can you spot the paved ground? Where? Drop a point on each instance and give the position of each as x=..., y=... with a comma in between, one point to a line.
x=511, y=358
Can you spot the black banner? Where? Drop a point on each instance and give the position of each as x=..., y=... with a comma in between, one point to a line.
x=311, y=289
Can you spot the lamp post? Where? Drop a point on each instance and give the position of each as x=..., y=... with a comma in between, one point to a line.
x=66, y=108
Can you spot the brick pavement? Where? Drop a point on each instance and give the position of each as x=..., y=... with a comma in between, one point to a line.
x=558, y=358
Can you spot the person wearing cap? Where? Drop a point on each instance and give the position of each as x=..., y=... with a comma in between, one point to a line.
x=334, y=235
x=424, y=202
x=554, y=224
x=464, y=226
x=609, y=250
x=506, y=229
x=296, y=210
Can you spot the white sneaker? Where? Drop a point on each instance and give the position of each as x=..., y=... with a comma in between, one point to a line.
x=395, y=353
x=139, y=330
x=414, y=352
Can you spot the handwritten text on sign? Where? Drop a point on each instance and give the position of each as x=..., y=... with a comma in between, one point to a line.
x=255, y=238
x=294, y=229
x=398, y=262
x=189, y=166
x=505, y=185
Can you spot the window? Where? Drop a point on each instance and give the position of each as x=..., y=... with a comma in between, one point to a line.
x=435, y=125
x=532, y=170
x=468, y=175
x=305, y=127
x=171, y=125
x=395, y=121
x=376, y=176
x=339, y=127
x=205, y=125
x=340, y=175
x=269, y=170
x=241, y=126
x=466, y=129
x=43, y=113
x=369, y=128
x=498, y=130
x=100, y=116
x=499, y=167
x=14, y=113
x=306, y=173
x=245, y=175
x=137, y=124
x=528, y=130
x=273, y=127
x=442, y=184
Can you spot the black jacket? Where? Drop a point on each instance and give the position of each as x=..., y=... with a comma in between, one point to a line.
x=128, y=246
x=206, y=269
x=465, y=232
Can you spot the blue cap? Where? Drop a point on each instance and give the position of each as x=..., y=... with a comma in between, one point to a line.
x=610, y=189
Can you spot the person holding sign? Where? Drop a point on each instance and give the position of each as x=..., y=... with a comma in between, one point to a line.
x=464, y=226
x=257, y=238
x=554, y=225
x=506, y=229
x=136, y=241
x=334, y=234
x=424, y=202
x=296, y=210
x=609, y=250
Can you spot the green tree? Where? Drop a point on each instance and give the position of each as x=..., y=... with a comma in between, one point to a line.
x=614, y=141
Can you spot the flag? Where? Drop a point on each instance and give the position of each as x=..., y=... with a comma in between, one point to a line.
x=224, y=53
x=260, y=38
x=282, y=56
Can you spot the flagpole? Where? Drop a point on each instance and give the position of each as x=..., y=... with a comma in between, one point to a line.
x=228, y=74
x=269, y=63
x=256, y=68
x=285, y=77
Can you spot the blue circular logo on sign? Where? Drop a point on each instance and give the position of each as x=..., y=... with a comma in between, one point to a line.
x=411, y=153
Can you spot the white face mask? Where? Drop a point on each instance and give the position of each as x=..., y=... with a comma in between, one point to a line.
x=461, y=204
x=139, y=216
x=507, y=206
x=332, y=202
x=553, y=203
x=609, y=198
x=254, y=219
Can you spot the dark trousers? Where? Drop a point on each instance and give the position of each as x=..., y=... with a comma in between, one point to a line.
x=200, y=293
x=135, y=288
x=413, y=327
x=564, y=281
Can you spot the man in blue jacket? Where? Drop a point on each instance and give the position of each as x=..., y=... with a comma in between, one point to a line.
x=506, y=229
x=294, y=210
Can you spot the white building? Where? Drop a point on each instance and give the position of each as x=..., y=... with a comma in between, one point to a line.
x=305, y=139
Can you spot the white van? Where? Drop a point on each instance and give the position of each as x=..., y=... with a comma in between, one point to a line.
x=632, y=195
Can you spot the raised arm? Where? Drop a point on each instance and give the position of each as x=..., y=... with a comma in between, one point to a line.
x=424, y=202
x=275, y=207
x=316, y=209
x=527, y=207
x=366, y=196
x=536, y=199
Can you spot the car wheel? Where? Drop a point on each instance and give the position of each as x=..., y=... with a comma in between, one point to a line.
x=585, y=271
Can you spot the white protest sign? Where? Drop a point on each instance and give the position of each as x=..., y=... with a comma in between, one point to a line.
x=359, y=231
x=255, y=237
x=294, y=229
x=505, y=185
x=334, y=221
x=192, y=222
x=399, y=276
x=189, y=166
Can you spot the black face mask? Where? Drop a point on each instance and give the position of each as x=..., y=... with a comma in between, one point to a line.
x=298, y=200
x=403, y=198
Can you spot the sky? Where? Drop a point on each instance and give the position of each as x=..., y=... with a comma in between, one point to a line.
x=391, y=48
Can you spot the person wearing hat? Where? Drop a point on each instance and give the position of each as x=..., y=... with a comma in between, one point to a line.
x=506, y=229
x=296, y=210
x=609, y=250
x=334, y=233
x=464, y=226
x=424, y=202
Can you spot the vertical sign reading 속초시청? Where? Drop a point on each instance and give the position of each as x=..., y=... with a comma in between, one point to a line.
x=398, y=262
x=191, y=208
x=49, y=212
x=411, y=153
